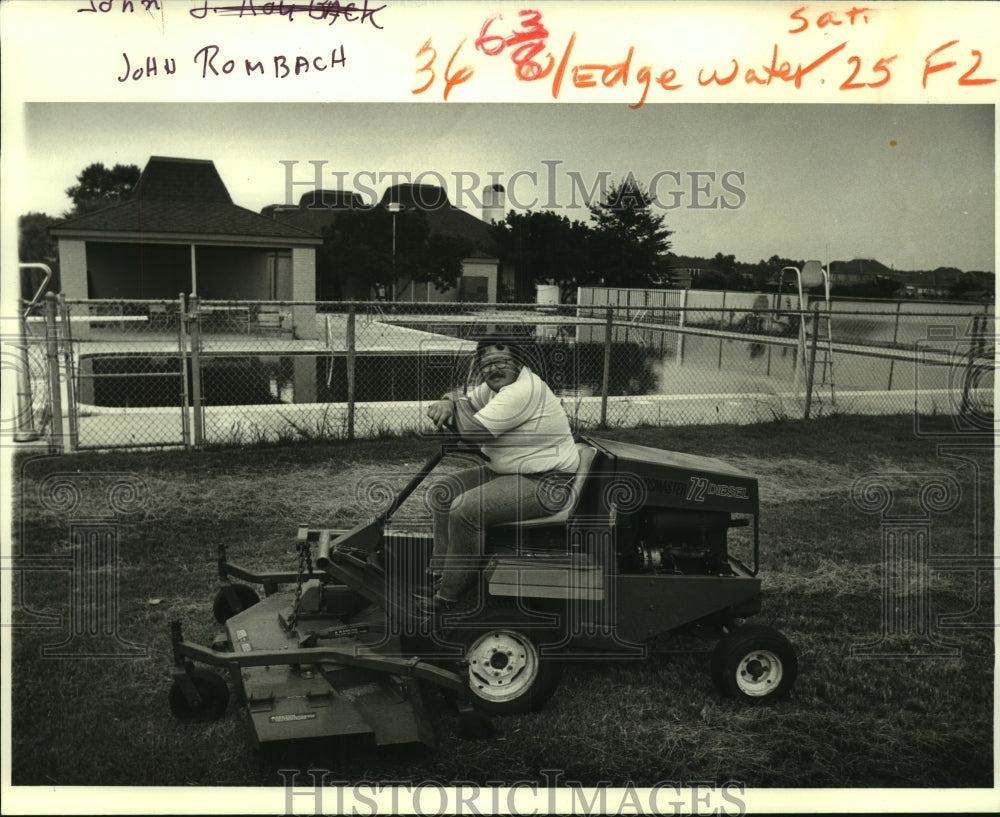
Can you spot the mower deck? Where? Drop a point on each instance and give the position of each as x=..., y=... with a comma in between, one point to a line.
x=326, y=698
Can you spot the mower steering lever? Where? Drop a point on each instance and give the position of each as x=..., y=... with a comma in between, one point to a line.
x=425, y=469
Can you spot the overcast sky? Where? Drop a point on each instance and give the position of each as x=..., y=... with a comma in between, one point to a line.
x=912, y=186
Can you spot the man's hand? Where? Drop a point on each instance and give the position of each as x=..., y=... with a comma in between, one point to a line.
x=441, y=413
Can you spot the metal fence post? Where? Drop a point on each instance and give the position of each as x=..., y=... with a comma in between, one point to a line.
x=895, y=337
x=72, y=407
x=722, y=320
x=628, y=311
x=810, y=374
x=195, y=335
x=682, y=322
x=52, y=357
x=350, y=361
x=606, y=384
x=182, y=348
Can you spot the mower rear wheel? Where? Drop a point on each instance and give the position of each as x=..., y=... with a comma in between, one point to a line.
x=754, y=663
x=507, y=672
x=224, y=607
x=213, y=691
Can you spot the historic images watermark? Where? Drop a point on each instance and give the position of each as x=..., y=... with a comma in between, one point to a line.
x=907, y=504
x=967, y=393
x=27, y=381
x=92, y=506
x=906, y=627
x=319, y=792
x=548, y=187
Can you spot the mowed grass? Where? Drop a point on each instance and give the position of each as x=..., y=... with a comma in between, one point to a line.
x=851, y=721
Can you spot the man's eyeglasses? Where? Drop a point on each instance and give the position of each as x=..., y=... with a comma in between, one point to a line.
x=487, y=365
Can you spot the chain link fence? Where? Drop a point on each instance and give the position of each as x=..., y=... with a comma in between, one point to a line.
x=27, y=385
x=193, y=373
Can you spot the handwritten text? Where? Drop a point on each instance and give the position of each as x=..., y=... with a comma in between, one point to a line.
x=528, y=46
x=123, y=6
x=330, y=10
x=213, y=65
x=210, y=62
x=148, y=68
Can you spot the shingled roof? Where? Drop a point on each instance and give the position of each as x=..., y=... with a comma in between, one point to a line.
x=319, y=209
x=442, y=216
x=182, y=199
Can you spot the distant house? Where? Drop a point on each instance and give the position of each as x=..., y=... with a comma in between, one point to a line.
x=180, y=232
x=858, y=271
x=481, y=278
x=687, y=277
x=937, y=283
x=976, y=285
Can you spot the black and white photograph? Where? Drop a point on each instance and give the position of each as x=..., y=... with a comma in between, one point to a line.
x=532, y=417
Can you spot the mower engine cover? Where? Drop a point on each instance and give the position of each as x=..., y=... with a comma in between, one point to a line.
x=671, y=479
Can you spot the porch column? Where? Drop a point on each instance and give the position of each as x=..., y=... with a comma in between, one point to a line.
x=73, y=276
x=194, y=272
x=73, y=268
x=304, y=289
x=492, y=283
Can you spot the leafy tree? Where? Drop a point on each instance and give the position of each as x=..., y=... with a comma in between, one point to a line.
x=347, y=246
x=965, y=284
x=33, y=240
x=880, y=287
x=439, y=259
x=544, y=247
x=735, y=275
x=98, y=186
x=35, y=245
x=724, y=264
x=360, y=241
x=629, y=246
x=711, y=279
x=766, y=273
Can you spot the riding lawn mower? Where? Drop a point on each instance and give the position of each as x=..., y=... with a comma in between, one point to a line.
x=650, y=543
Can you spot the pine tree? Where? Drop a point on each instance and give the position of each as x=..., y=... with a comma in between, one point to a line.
x=629, y=245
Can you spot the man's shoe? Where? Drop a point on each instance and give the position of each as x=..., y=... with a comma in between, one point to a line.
x=436, y=605
x=431, y=584
x=424, y=599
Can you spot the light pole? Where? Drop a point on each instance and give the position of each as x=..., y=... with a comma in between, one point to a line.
x=395, y=208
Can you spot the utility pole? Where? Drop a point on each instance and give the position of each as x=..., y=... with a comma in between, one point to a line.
x=395, y=208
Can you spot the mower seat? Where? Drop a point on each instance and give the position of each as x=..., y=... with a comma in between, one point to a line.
x=587, y=454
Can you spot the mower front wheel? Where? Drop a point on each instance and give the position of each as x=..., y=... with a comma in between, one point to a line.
x=755, y=664
x=212, y=697
x=507, y=672
x=233, y=599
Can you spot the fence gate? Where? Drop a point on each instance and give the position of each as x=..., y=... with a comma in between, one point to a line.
x=26, y=354
x=124, y=372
